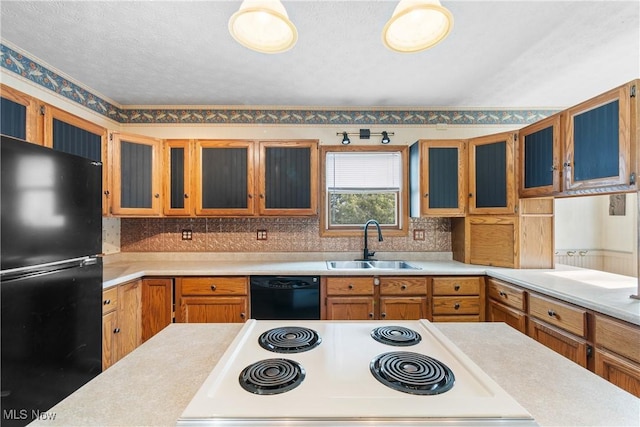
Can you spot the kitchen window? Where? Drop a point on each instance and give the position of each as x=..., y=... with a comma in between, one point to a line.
x=362, y=183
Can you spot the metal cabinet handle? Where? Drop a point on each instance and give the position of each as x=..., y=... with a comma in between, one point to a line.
x=502, y=294
x=157, y=195
x=403, y=287
x=107, y=302
x=116, y=330
x=350, y=286
x=566, y=164
x=553, y=168
x=426, y=194
x=456, y=306
x=383, y=315
x=262, y=196
x=242, y=315
x=213, y=287
x=106, y=193
x=250, y=196
x=186, y=196
x=370, y=315
x=551, y=313
x=456, y=287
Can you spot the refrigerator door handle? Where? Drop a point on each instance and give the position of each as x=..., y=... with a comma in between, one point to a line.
x=36, y=270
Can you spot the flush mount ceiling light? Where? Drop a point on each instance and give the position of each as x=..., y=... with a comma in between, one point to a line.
x=417, y=25
x=263, y=26
x=365, y=134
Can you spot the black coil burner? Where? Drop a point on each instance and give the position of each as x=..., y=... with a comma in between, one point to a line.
x=289, y=339
x=396, y=335
x=412, y=373
x=271, y=376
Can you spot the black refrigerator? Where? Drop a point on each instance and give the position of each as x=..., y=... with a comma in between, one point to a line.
x=50, y=278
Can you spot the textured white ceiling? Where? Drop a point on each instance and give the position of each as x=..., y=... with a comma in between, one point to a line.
x=503, y=54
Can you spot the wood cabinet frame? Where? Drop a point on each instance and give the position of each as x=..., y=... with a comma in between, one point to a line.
x=555, y=166
x=461, y=146
x=156, y=175
x=626, y=158
x=509, y=138
x=51, y=113
x=33, y=120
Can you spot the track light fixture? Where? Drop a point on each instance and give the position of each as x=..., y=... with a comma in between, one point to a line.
x=365, y=134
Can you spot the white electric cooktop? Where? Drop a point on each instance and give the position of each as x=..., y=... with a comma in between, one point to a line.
x=348, y=373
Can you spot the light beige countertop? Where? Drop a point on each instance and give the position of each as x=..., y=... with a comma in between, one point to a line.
x=599, y=291
x=153, y=385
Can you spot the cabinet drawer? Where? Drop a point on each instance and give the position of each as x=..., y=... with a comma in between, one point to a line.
x=618, y=337
x=214, y=286
x=456, y=285
x=569, y=318
x=456, y=305
x=109, y=299
x=457, y=318
x=403, y=286
x=507, y=294
x=349, y=286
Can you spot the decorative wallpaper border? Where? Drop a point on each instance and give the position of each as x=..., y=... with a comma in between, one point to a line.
x=34, y=72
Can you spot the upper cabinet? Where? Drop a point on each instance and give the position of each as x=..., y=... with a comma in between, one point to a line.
x=240, y=177
x=492, y=174
x=224, y=176
x=71, y=134
x=439, y=178
x=288, y=178
x=598, y=147
x=177, y=194
x=136, y=175
x=19, y=115
x=539, y=158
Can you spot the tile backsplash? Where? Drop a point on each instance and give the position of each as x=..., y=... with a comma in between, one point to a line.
x=291, y=234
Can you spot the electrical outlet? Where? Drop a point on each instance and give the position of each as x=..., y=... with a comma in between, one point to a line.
x=261, y=235
x=187, y=234
x=418, y=234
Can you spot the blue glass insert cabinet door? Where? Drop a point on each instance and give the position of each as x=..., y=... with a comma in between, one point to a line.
x=19, y=115
x=598, y=149
x=443, y=177
x=492, y=188
x=539, y=158
x=70, y=134
x=136, y=175
x=178, y=192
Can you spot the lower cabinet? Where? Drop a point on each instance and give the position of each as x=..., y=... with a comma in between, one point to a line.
x=458, y=299
x=507, y=304
x=512, y=317
x=617, y=354
x=365, y=298
x=157, y=305
x=212, y=299
x=121, y=321
x=568, y=345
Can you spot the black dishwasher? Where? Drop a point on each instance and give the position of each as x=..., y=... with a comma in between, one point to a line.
x=285, y=297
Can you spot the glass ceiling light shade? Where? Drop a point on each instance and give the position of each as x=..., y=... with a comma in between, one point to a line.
x=417, y=25
x=263, y=26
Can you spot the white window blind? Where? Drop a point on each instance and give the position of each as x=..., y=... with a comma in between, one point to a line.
x=364, y=170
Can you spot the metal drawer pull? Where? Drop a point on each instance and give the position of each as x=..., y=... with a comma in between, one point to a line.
x=502, y=294
x=242, y=315
x=116, y=330
x=403, y=287
x=370, y=315
x=107, y=302
x=456, y=306
x=213, y=287
x=456, y=288
x=551, y=313
x=350, y=286
x=383, y=315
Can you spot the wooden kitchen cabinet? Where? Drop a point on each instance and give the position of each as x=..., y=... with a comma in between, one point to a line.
x=71, y=134
x=458, y=299
x=403, y=298
x=212, y=299
x=517, y=241
x=121, y=321
x=507, y=304
x=492, y=187
x=561, y=327
x=439, y=171
x=617, y=353
x=350, y=298
x=136, y=176
x=177, y=181
x=540, y=158
x=243, y=177
x=600, y=141
x=20, y=115
x=157, y=305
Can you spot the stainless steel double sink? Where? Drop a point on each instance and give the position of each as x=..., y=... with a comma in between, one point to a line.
x=370, y=264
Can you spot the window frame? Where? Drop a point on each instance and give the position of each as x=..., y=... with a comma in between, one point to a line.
x=403, y=200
